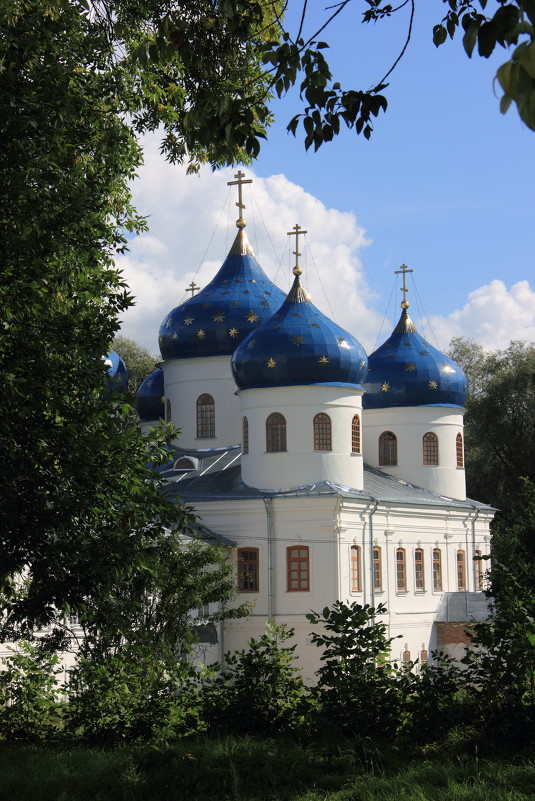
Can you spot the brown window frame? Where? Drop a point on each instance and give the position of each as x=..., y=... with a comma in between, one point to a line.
x=377, y=569
x=205, y=417
x=245, y=444
x=424, y=657
x=459, y=450
x=355, y=434
x=184, y=464
x=461, y=569
x=419, y=570
x=388, y=449
x=322, y=432
x=437, y=570
x=300, y=565
x=430, y=448
x=276, y=433
x=356, y=569
x=248, y=573
x=401, y=570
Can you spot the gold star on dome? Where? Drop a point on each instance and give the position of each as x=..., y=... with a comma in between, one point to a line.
x=226, y=293
x=278, y=326
x=297, y=314
x=168, y=323
x=218, y=318
x=362, y=364
x=447, y=369
x=424, y=352
x=410, y=367
x=314, y=325
x=252, y=281
x=385, y=387
x=162, y=399
x=160, y=340
x=390, y=355
x=271, y=362
x=264, y=304
x=201, y=333
x=175, y=336
x=234, y=303
x=324, y=361
x=233, y=332
x=188, y=321
x=206, y=305
x=246, y=291
x=251, y=344
x=298, y=340
x=150, y=383
x=251, y=317
x=238, y=280
x=433, y=385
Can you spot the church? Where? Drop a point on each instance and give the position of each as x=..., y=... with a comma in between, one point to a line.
x=329, y=475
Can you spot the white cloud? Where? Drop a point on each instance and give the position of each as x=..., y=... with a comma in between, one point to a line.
x=185, y=212
x=492, y=316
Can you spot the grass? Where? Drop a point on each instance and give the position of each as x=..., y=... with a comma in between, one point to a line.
x=259, y=770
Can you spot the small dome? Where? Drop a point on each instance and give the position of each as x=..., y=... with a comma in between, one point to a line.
x=298, y=345
x=149, y=397
x=117, y=372
x=239, y=299
x=408, y=371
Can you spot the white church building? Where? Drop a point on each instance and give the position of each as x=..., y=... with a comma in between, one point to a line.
x=329, y=475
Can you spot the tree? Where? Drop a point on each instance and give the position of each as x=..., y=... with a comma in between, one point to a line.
x=500, y=420
x=139, y=362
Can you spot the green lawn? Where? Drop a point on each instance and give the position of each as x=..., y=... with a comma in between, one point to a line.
x=251, y=770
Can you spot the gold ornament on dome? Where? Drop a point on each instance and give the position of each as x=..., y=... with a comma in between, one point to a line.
x=233, y=332
x=241, y=180
x=433, y=385
x=385, y=386
x=188, y=321
x=410, y=367
x=251, y=344
x=324, y=361
x=251, y=317
x=218, y=318
x=201, y=333
x=271, y=362
x=298, y=340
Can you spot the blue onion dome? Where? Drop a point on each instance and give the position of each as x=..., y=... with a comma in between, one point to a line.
x=117, y=372
x=149, y=397
x=299, y=345
x=239, y=299
x=408, y=371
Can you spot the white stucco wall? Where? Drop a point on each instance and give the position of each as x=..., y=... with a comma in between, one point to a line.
x=409, y=424
x=300, y=464
x=184, y=381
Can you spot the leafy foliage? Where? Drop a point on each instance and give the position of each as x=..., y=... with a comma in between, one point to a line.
x=29, y=688
x=259, y=690
x=139, y=361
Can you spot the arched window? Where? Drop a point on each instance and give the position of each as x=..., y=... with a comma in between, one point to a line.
x=355, y=434
x=461, y=571
x=275, y=433
x=377, y=570
x=248, y=569
x=185, y=465
x=356, y=585
x=459, y=449
x=406, y=658
x=322, y=432
x=424, y=657
x=479, y=570
x=401, y=570
x=167, y=410
x=245, y=435
x=419, y=577
x=437, y=570
x=298, y=568
x=205, y=417
x=430, y=448
x=388, y=449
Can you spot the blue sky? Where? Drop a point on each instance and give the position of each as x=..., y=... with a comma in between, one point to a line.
x=446, y=185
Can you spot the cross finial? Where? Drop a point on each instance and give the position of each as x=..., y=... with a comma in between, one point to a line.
x=192, y=288
x=403, y=270
x=296, y=231
x=241, y=180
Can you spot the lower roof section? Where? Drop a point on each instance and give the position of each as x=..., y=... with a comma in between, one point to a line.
x=217, y=476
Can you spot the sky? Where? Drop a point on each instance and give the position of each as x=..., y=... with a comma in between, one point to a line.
x=445, y=185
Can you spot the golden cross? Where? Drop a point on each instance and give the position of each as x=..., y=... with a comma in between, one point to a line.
x=403, y=270
x=240, y=222
x=192, y=288
x=296, y=231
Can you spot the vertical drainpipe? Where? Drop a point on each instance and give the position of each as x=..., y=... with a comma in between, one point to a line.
x=474, y=566
x=268, y=503
x=370, y=528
